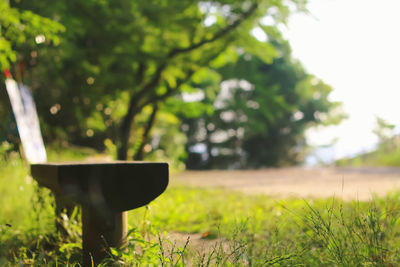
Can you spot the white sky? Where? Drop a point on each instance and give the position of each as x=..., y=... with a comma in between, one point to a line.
x=353, y=45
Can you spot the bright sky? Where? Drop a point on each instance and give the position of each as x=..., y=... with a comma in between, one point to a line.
x=353, y=45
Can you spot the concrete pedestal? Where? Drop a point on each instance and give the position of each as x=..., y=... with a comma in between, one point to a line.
x=106, y=192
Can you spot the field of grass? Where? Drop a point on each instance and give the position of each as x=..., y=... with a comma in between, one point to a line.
x=244, y=230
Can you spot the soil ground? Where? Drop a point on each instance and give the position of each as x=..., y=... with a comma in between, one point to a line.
x=346, y=183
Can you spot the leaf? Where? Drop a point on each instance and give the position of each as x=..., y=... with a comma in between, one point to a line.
x=69, y=246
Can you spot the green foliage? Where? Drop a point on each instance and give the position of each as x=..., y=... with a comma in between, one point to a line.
x=387, y=152
x=109, y=68
x=22, y=31
x=262, y=112
x=352, y=235
x=383, y=129
x=310, y=233
x=378, y=158
x=388, y=142
x=167, y=142
x=59, y=152
x=241, y=230
x=26, y=210
x=112, y=63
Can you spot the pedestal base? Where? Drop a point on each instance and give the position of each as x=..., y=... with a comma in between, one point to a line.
x=100, y=231
x=106, y=190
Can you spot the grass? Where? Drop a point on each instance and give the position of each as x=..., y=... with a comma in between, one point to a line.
x=238, y=230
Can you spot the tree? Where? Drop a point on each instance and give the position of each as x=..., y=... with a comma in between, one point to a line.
x=21, y=32
x=262, y=112
x=386, y=135
x=118, y=57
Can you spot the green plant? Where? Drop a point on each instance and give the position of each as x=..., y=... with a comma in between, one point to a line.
x=234, y=229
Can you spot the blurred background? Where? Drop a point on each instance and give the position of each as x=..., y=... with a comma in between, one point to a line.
x=208, y=84
x=351, y=45
x=298, y=97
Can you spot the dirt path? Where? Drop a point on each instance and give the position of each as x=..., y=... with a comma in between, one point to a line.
x=350, y=183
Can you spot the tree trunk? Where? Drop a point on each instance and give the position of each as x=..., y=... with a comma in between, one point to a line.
x=124, y=134
x=123, y=146
x=140, y=152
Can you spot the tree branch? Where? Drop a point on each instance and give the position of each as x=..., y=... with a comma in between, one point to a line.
x=157, y=76
x=140, y=73
x=190, y=73
x=151, y=84
x=134, y=105
x=132, y=109
x=216, y=36
x=145, y=137
x=170, y=91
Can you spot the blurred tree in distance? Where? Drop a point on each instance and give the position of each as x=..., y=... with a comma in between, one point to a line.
x=261, y=113
x=386, y=135
x=21, y=33
x=383, y=130
x=387, y=150
x=120, y=62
